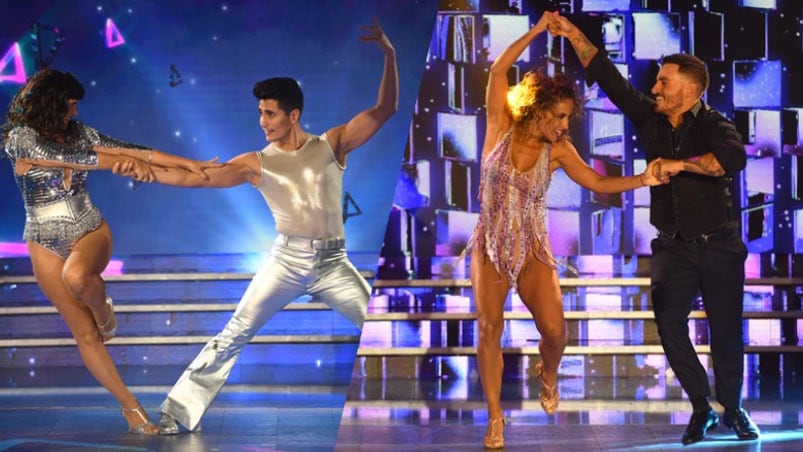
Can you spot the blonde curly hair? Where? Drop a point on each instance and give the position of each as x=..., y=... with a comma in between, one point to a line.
x=538, y=92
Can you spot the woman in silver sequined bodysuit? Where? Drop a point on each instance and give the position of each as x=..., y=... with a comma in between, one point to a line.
x=525, y=141
x=68, y=240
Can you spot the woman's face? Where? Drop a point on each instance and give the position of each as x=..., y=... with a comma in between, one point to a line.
x=72, y=110
x=553, y=123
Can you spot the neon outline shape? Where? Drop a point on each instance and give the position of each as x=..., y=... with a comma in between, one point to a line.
x=13, y=55
x=113, y=36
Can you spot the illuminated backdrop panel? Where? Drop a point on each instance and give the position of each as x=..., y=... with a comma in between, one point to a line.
x=753, y=51
x=177, y=76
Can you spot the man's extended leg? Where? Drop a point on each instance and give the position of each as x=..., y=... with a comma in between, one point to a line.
x=340, y=285
x=280, y=280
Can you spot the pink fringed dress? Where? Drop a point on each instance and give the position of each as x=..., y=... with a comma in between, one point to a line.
x=512, y=223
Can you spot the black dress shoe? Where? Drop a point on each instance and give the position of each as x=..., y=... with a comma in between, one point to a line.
x=699, y=424
x=738, y=420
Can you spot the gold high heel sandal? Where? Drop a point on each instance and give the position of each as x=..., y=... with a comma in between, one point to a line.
x=493, y=435
x=548, y=395
x=108, y=329
x=143, y=428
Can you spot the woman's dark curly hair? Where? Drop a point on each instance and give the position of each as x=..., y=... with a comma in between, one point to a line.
x=42, y=104
x=538, y=92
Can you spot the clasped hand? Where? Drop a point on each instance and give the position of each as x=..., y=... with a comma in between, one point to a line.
x=135, y=169
x=659, y=171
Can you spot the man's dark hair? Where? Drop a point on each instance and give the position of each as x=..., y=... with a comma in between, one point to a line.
x=283, y=90
x=692, y=67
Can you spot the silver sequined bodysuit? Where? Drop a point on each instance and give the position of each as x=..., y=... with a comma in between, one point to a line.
x=57, y=214
x=512, y=222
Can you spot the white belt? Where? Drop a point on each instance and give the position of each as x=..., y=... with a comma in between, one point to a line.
x=310, y=244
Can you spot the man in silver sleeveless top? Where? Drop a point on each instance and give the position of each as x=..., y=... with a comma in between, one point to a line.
x=300, y=176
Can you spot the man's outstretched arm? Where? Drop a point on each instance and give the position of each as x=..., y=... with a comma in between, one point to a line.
x=347, y=137
x=239, y=170
x=584, y=49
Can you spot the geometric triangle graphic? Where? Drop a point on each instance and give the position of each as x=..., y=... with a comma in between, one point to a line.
x=113, y=36
x=17, y=74
x=46, y=40
x=175, y=76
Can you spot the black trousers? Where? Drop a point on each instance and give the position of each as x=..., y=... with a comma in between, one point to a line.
x=680, y=270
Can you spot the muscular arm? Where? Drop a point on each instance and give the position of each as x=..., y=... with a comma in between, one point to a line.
x=706, y=164
x=347, y=137
x=598, y=68
x=584, y=49
x=239, y=170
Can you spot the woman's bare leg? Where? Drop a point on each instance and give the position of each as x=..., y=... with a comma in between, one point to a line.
x=82, y=269
x=490, y=291
x=48, y=269
x=539, y=290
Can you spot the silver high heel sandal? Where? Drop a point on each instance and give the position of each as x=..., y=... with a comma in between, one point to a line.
x=109, y=328
x=140, y=429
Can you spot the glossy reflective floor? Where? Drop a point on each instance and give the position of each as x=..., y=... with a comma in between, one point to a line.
x=243, y=418
x=595, y=414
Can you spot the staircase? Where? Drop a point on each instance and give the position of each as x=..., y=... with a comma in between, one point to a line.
x=427, y=328
x=167, y=308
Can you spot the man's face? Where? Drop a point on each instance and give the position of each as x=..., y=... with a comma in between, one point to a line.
x=671, y=90
x=273, y=120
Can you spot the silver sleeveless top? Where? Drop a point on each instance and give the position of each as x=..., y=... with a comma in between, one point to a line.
x=303, y=189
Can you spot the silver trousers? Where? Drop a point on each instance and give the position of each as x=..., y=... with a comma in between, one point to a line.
x=295, y=267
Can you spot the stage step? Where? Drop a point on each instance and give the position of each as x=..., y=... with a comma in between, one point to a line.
x=167, y=308
x=583, y=381
x=415, y=326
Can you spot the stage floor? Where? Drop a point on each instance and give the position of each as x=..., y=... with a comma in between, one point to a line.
x=242, y=418
x=595, y=414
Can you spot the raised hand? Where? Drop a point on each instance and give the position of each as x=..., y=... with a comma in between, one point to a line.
x=545, y=22
x=560, y=26
x=374, y=33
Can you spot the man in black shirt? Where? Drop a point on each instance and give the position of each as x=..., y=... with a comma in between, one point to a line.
x=699, y=247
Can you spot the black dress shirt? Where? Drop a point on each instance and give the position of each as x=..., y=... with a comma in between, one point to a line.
x=691, y=204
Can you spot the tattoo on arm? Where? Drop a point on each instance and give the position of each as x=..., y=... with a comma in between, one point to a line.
x=584, y=49
x=702, y=165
